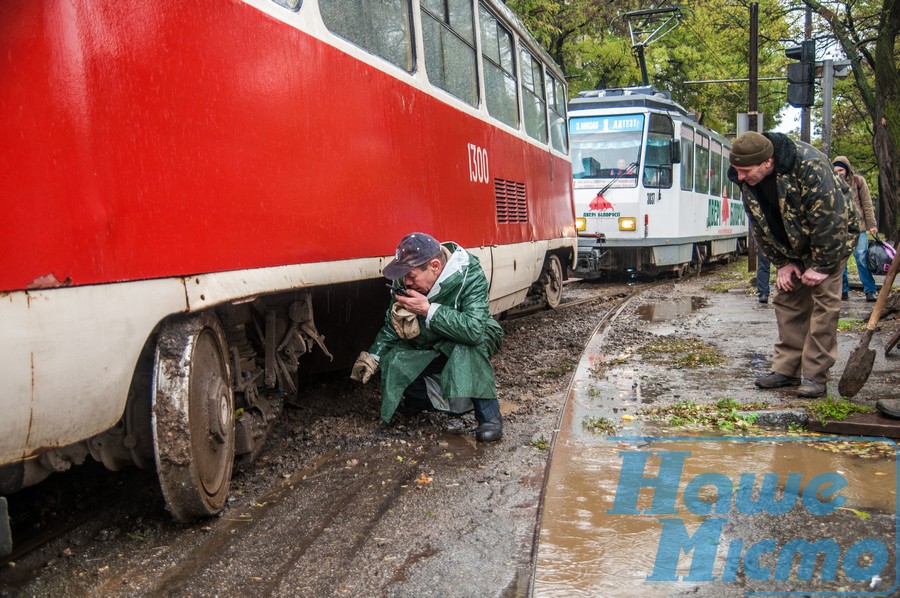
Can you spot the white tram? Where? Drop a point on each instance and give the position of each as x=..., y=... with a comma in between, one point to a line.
x=650, y=184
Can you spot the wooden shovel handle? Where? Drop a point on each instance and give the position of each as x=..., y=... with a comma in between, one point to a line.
x=883, y=293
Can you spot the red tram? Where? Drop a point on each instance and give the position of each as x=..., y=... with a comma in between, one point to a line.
x=198, y=198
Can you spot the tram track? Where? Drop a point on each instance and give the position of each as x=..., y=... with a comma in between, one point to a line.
x=274, y=537
x=608, y=318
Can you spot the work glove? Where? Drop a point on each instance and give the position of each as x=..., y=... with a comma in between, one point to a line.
x=405, y=322
x=364, y=368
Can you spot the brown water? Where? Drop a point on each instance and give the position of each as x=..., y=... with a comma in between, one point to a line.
x=667, y=310
x=586, y=551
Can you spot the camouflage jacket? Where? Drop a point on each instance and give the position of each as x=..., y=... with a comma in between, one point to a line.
x=814, y=203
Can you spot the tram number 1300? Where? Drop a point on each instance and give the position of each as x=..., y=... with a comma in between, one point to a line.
x=478, y=164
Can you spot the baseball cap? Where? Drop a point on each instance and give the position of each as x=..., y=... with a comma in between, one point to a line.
x=414, y=250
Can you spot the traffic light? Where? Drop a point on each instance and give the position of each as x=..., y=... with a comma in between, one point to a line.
x=802, y=75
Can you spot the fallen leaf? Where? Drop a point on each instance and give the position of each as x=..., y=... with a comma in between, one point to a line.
x=860, y=514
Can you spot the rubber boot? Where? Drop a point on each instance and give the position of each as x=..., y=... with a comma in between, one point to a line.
x=490, y=424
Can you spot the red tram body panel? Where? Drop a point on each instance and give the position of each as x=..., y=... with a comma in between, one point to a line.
x=151, y=140
x=166, y=158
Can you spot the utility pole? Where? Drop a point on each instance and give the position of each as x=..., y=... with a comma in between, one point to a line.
x=831, y=69
x=752, y=108
x=805, y=112
x=827, y=89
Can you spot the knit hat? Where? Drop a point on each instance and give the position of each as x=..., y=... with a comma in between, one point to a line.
x=750, y=149
x=842, y=164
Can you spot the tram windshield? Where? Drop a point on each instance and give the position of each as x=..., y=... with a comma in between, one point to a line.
x=606, y=146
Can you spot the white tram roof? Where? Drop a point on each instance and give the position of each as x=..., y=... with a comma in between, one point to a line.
x=628, y=97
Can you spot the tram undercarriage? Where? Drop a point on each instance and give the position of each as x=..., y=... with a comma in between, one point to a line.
x=209, y=386
x=597, y=260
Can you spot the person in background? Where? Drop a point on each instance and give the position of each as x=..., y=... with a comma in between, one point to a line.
x=623, y=168
x=435, y=347
x=763, y=272
x=801, y=218
x=862, y=203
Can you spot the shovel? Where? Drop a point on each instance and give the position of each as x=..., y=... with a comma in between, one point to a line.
x=859, y=364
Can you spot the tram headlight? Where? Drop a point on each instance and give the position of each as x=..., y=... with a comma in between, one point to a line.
x=581, y=224
x=628, y=223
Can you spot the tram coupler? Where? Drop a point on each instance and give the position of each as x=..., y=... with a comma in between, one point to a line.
x=5, y=531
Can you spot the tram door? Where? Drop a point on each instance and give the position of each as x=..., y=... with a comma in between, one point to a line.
x=661, y=209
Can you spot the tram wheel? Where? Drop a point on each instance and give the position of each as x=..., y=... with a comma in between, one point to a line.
x=553, y=282
x=193, y=416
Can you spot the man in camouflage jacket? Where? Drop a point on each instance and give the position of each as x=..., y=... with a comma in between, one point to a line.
x=803, y=222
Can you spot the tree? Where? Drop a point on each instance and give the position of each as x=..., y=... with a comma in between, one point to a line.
x=713, y=43
x=590, y=40
x=867, y=33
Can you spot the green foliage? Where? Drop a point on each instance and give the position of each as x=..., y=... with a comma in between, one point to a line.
x=559, y=370
x=733, y=276
x=833, y=409
x=598, y=425
x=722, y=415
x=592, y=43
x=850, y=325
x=541, y=444
x=689, y=353
x=795, y=428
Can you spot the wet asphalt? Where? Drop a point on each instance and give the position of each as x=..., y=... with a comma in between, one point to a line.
x=422, y=510
x=608, y=531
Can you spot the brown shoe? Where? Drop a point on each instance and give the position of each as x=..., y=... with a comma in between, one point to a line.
x=810, y=389
x=776, y=380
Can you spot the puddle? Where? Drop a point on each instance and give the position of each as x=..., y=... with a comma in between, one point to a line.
x=667, y=310
x=585, y=549
x=592, y=546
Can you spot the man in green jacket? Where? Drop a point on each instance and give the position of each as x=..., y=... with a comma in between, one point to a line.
x=435, y=347
x=802, y=220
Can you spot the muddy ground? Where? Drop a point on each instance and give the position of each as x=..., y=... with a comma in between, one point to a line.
x=340, y=504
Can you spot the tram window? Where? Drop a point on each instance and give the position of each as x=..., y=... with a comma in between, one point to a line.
x=601, y=143
x=687, y=163
x=382, y=28
x=500, y=86
x=558, y=133
x=716, y=188
x=658, y=157
x=533, y=96
x=449, y=38
x=701, y=166
x=658, y=165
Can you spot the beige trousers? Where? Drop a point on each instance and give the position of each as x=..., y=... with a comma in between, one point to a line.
x=807, y=328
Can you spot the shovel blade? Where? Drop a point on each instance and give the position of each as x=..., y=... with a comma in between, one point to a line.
x=857, y=371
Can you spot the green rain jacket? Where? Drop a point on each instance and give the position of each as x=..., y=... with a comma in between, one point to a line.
x=821, y=230
x=459, y=325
